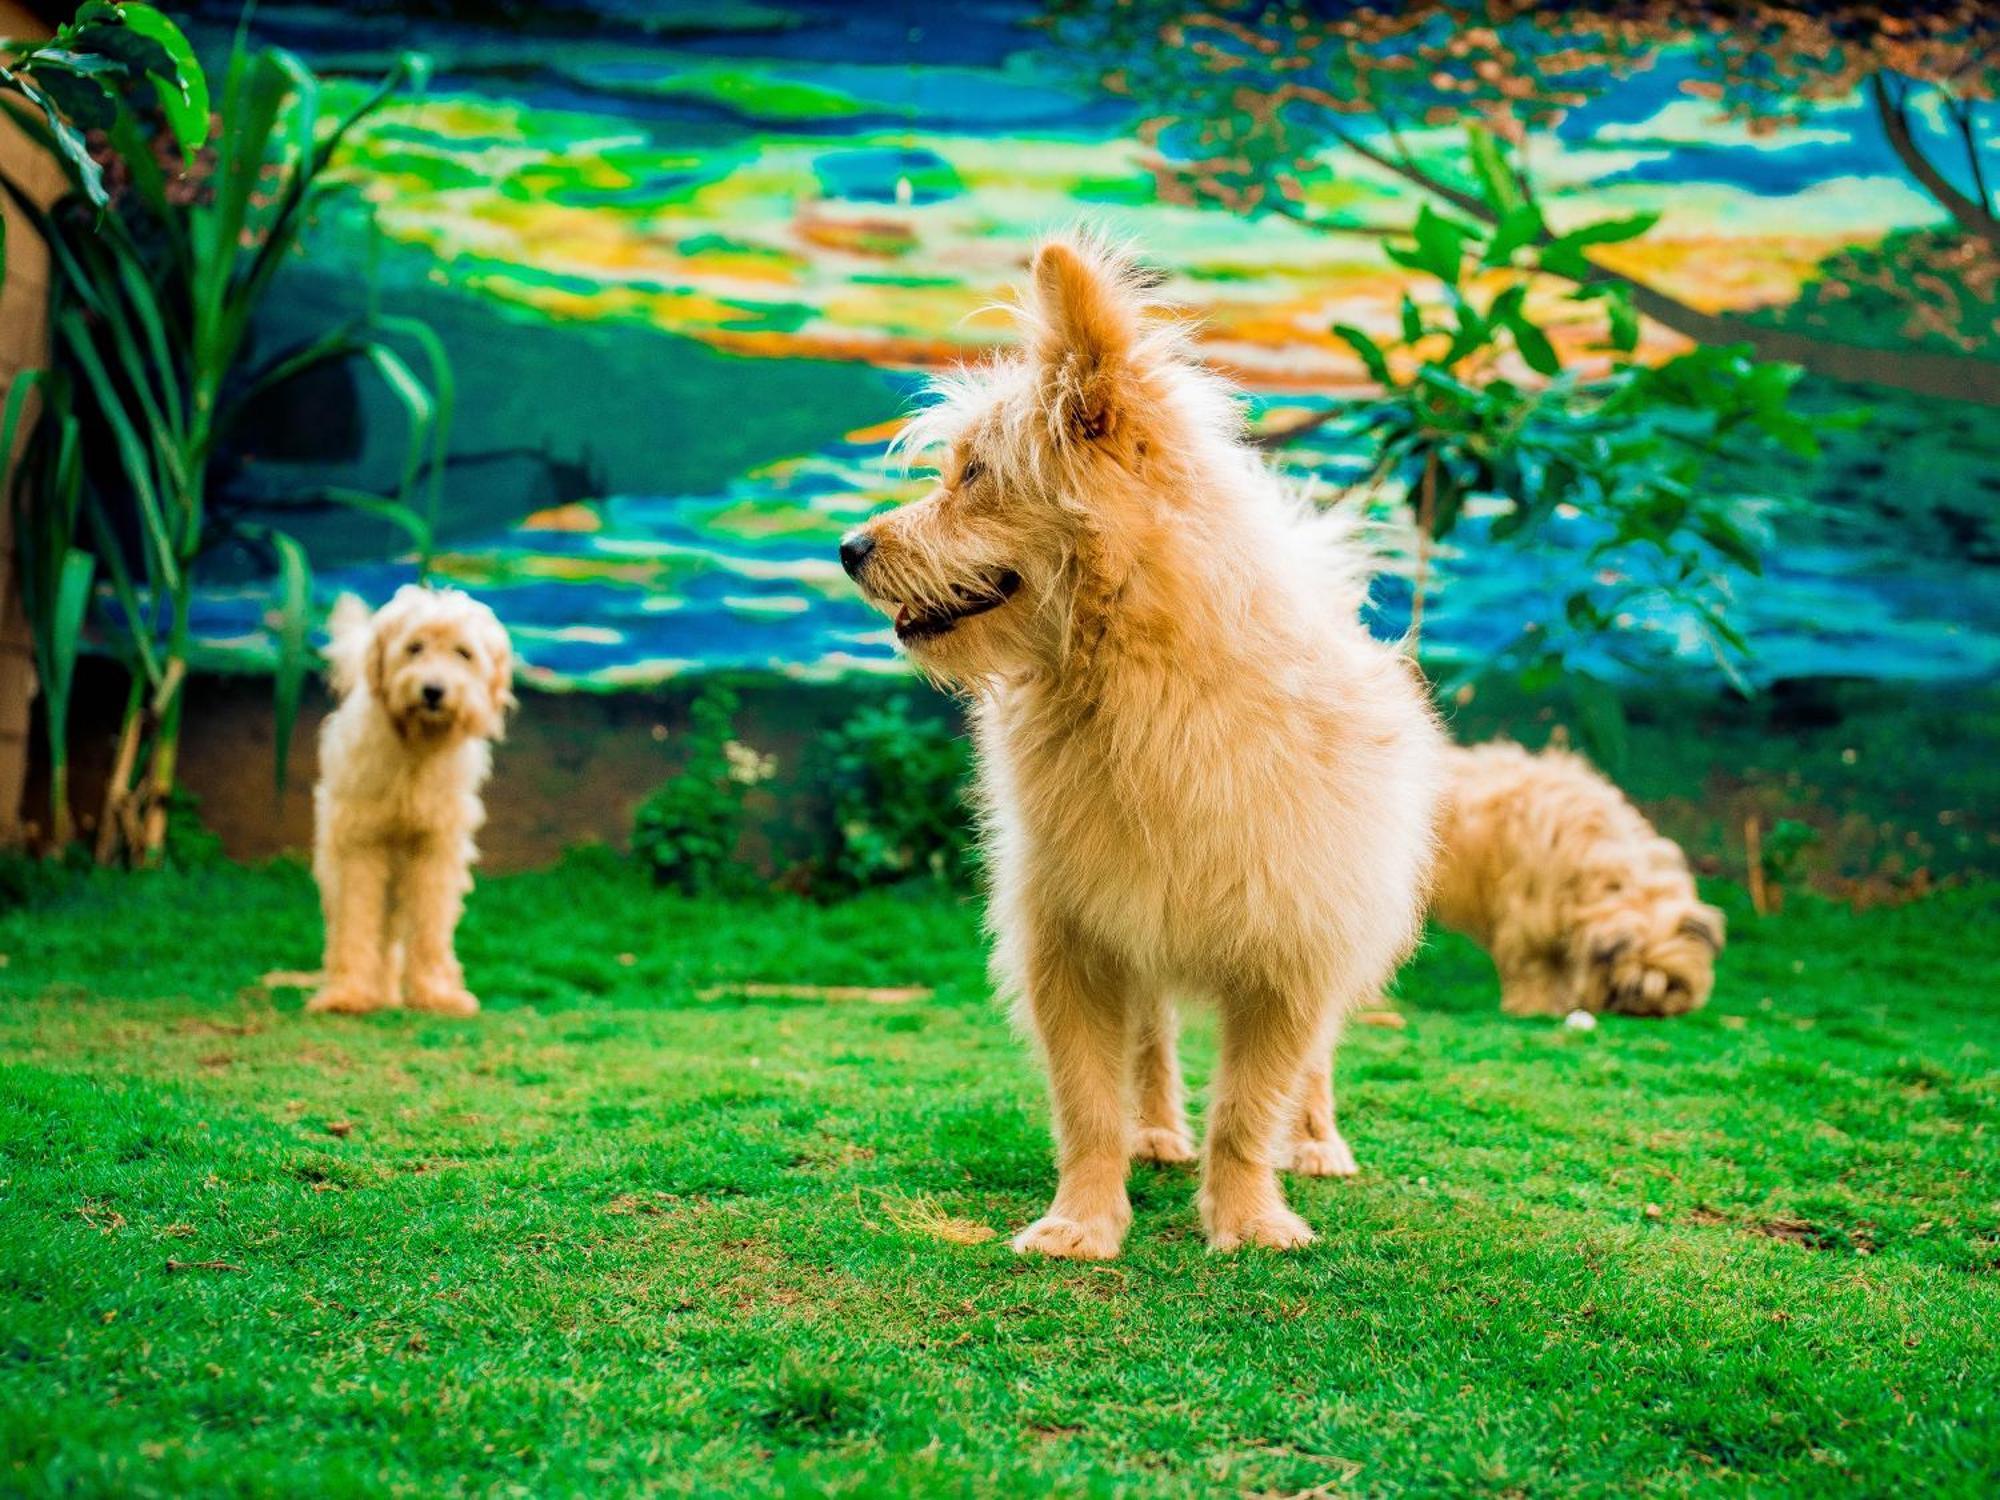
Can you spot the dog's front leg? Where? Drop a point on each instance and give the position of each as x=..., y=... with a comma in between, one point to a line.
x=1162, y=1133
x=1077, y=1002
x=433, y=896
x=355, y=895
x=1266, y=1040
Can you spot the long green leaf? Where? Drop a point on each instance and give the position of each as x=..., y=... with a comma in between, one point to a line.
x=241, y=152
x=444, y=388
x=24, y=384
x=294, y=622
x=1496, y=174
x=64, y=627
x=1371, y=352
x=417, y=402
x=164, y=536
x=138, y=623
x=402, y=517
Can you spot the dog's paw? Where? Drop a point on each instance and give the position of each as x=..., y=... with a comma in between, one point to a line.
x=1162, y=1143
x=1273, y=1228
x=1330, y=1158
x=443, y=1000
x=348, y=1000
x=1070, y=1239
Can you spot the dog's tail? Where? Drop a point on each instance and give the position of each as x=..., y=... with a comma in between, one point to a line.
x=347, y=628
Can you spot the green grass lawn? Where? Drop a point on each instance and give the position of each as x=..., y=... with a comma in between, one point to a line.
x=614, y=1235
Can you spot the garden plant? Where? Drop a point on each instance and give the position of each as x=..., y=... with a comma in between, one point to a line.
x=177, y=228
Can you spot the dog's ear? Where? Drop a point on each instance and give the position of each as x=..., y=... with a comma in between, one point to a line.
x=1705, y=924
x=500, y=680
x=1086, y=319
x=376, y=662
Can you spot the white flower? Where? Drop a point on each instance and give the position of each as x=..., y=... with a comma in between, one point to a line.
x=746, y=766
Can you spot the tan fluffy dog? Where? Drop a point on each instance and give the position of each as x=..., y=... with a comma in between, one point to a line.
x=1200, y=776
x=424, y=685
x=1580, y=903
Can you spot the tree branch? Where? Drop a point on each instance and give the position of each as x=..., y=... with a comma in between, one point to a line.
x=1962, y=112
x=1973, y=218
x=1278, y=437
x=1951, y=377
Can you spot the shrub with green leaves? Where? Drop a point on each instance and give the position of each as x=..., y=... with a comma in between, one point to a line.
x=895, y=787
x=686, y=833
x=1478, y=402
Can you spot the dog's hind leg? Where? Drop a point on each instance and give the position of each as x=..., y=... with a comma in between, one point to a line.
x=1266, y=1040
x=1318, y=1148
x=1078, y=1004
x=1162, y=1132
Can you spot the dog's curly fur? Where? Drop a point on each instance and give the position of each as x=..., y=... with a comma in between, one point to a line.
x=424, y=686
x=1581, y=904
x=1200, y=776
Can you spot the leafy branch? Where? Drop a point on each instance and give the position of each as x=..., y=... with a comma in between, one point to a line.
x=1478, y=402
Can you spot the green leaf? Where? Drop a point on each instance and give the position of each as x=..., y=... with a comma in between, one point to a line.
x=1609, y=231
x=63, y=141
x=1413, y=320
x=1624, y=321
x=64, y=628
x=400, y=516
x=1441, y=245
x=1723, y=534
x=1518, y=227
x=19, y=389
x=1533, y=343
x=295, y=654
x=1496, y=174
x=444, y=390
x=183, y=95
x=1370, y=352
x=416, y=400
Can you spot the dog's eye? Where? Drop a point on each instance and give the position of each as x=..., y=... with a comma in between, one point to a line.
x=464, y=652
x=415, y=648
x=972, y=473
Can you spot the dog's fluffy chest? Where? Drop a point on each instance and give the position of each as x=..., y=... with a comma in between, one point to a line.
x=389, y=790
x=1157, y=827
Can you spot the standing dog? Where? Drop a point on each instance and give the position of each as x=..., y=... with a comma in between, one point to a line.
x=1199, y=774
x=1581, y=904
x=424, y=685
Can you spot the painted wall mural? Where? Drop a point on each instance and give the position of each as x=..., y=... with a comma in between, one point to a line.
x=691, y=262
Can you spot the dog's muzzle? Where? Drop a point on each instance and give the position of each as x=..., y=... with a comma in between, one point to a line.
x=932, y=620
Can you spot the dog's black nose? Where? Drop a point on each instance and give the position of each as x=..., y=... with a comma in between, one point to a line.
x=854, y=550
x=433, y=695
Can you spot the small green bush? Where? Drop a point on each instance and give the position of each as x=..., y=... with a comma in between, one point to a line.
x=686, y=833
x=896, y=793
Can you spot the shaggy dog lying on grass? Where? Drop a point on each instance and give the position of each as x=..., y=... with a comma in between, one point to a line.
x=424, y=686
x=1199, y=773
x=1581, y=904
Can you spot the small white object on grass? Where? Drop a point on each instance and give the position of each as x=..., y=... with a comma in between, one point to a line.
x=1580, y=1020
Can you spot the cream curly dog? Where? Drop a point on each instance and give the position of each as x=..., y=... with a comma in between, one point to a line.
x=1199, y=775
x=424, y=686
x=1581, y=904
